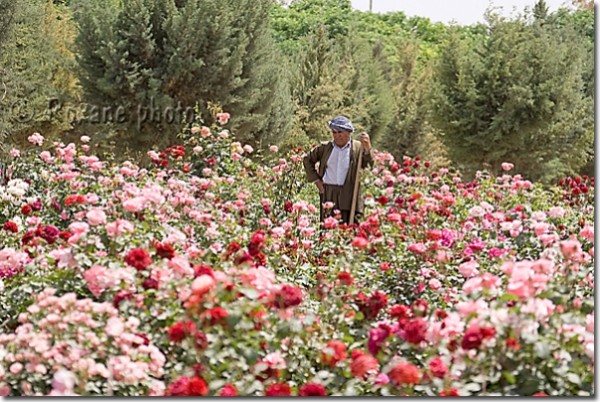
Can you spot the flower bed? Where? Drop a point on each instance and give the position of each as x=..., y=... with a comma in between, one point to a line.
x=205, y=273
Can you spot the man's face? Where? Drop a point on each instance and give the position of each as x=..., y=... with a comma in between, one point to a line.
x=340, y=137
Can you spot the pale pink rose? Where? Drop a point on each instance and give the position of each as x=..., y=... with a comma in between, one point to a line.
x=134, y=204
x=235, y=156
x=570, y=248
x=181, y=265
x=205, y=131
x=202, y=284
x=556, y=212
x=195, y=130
x=435, y=284
x=587, y=233
x=15, y=153
x=96, y=216
x=472, y=285
x=197, y=149
x=93, y=277
x=540, y=228
x=507, y=166
x=84, y=138
x=223, y=118
x=16, y=368
x=417, y=248
x=46, y=157
x=248, y=148
x=273, y=148
x=468, y=269
x=85, y=147
x=114, y=326
x=117, y=228
x=275, y=360
x=36, y=138
x=153, y=155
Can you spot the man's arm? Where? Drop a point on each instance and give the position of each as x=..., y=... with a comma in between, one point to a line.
x=310, y=161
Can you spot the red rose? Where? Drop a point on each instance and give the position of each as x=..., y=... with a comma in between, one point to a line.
x=278, y=390
x=312, y=389
x=138, y=258
x=150, y=283
x=415, y=330
x=405, y=373
x=472, y=339
x=363, y=364
x=197, y=386
x=10, y=226
x=400, y=311
x=228, y=390
x=215, y=315
x=164, y=250
x=438, y=368
x=449, y=392
x=26, y=209
x=345, y=278
x=288, y=296
x=178, y=331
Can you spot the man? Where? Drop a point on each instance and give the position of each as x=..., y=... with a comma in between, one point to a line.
x=338, y=167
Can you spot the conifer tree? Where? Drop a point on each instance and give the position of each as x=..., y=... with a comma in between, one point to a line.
x=516, y=97
x=409, y=84
x=157, y=55
x=36, y=67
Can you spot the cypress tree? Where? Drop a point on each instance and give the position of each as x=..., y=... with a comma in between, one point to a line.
x=517, y=97
x=161, y=58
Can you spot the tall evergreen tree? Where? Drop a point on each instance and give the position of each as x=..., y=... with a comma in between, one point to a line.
x=409, y=83
x=36, y=72
x=516, y=97
x=160, y=58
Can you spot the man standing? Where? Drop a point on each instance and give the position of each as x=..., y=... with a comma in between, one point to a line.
x=338, y=167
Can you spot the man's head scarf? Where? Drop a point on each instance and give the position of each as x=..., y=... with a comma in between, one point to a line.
x=341, y=123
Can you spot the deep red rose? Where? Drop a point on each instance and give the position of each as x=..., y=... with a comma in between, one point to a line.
x=278, y=390
x=345, y=278
x=215, y=315
x=36, y=205
x=202, y=269
x=120, y=296
x=472, y=339
x=150, y=283
x=288, y=296
x=178, y=331
x=49, y=233
x=138, y=258
x=400, y=311
x=164, y=250
x=414, y=330
x=26, y=209
x=11, y=226
x=449, y=392
x=438, y=368
x=312, y=389
x=228, y=390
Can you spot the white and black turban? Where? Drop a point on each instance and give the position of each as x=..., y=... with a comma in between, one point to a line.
x=341, y=123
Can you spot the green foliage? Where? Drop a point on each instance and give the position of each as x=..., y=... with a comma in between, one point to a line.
x=158, y=60
x=411, y=83
x=36, y=72
x=517, y=96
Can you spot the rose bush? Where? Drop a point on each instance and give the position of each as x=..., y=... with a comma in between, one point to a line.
x=206, y=273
